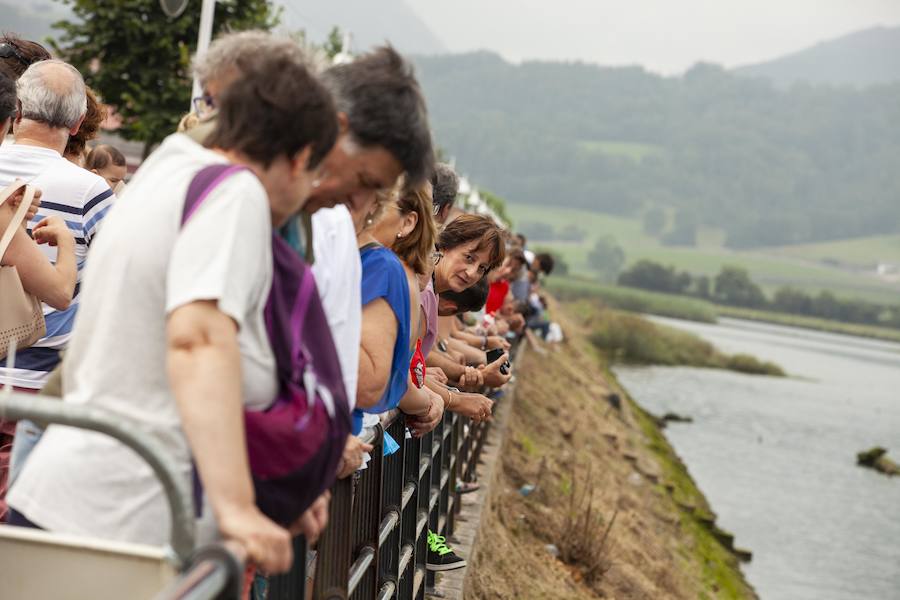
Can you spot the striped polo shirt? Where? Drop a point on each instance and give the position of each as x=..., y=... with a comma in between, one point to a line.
x=81, y=199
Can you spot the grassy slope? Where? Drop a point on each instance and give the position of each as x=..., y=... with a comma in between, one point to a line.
x=658, y=545
x=771, y=267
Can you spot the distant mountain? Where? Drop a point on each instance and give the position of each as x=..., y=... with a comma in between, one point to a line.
x=371, y=23
x=860, y=59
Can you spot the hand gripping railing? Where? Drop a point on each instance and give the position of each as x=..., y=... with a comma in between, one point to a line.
x=16, y=406
x=374, y=547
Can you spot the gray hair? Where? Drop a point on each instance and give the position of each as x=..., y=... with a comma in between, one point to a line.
x=52, y=92
x=234, y=54
x=444, y=185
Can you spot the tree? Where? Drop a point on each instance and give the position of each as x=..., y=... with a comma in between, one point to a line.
x=702, y=287
x=733, y=286
x=498, y=205
x=571, y=233
x=537, y=231
x=138, y=60
x=684, y=233
x=650, y=275
x=606, y=258
x=655, y=221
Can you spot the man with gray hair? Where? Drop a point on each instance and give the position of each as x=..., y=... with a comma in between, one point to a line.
x=444, y=189
x=51, y=106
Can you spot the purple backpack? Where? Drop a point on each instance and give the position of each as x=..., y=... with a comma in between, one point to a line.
x=295, y=445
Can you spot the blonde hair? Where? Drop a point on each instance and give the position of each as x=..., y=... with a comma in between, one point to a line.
x=416, y=248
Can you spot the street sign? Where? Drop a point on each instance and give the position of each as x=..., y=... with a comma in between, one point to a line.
x=173, y=8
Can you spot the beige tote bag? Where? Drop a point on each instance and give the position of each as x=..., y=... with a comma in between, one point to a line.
x=21, y=316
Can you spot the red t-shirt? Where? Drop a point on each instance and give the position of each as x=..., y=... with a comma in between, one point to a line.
x=496, y=296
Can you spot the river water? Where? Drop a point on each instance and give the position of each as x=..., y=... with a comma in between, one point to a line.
x=776, y=457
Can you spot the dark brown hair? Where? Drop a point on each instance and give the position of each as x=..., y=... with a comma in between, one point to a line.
x=470, y=299
x=103, y=156
x=7, y=98
x=469, y=228
x=25, y=53
x=415, y=249
x=95, y=115
x=385, y=107
x=276, y=109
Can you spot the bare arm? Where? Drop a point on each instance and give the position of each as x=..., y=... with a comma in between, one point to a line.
x=415, y=401
x=376, y=352
x=204, y=368
x=473, y=355
x=53, y=284
x=453, y=369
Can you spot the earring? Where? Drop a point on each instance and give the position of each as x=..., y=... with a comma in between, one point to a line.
x=316, y=183
x=399, y=235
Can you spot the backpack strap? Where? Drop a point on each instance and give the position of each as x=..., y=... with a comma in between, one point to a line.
x=19, y=214
x=202, y=185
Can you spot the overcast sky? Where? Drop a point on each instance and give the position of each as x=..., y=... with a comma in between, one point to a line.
x=665, y=36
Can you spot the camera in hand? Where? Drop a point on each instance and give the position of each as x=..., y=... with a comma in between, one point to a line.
x=494, y=355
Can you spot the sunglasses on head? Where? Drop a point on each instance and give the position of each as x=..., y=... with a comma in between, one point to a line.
x=7, y=50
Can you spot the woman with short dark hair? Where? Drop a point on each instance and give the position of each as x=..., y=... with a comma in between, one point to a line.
x=171, y=329
x=471, y=246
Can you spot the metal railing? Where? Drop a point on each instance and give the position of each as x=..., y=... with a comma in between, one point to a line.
x=375, y=545
x=212, y=572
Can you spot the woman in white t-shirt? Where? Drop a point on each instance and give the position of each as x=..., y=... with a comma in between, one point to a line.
x=170, y=329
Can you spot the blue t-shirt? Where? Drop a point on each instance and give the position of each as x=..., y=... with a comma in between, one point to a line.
x=383, y=276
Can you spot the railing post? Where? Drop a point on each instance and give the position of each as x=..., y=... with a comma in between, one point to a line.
x=334, y=548
x=366, y=517
x=291, y=585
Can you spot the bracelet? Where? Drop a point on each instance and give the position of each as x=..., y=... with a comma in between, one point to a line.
x=484, y=343
x=450, y=400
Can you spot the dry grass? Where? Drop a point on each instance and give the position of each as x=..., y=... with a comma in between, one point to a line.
x=588, y=464
x=583, y=539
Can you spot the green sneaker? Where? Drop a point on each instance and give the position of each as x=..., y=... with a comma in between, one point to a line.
x=440, y=556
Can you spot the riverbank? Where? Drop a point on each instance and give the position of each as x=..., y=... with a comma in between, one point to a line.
x=590, y=500
x=695, y=309
x=632, y=339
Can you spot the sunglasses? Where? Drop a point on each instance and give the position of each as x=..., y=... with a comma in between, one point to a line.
x=7, y=50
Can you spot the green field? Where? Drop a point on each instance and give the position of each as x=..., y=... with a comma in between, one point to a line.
x=575, y=289
x=799, y=266
x=859, y=252
x=633, y=300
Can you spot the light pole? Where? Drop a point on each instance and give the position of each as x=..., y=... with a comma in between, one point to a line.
x=174, y=9
x=207, y=12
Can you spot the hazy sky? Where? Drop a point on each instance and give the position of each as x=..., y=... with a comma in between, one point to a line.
x=666, y=36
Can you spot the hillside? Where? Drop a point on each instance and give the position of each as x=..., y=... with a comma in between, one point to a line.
x=845, y=267
x=860, y=59
x=595, y=469
x=767, y=166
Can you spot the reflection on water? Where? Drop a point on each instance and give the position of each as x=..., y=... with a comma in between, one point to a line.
x=776, y=456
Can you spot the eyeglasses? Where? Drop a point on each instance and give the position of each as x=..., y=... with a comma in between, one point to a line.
x=204, y=105
x=7, y=50
x=436, y=257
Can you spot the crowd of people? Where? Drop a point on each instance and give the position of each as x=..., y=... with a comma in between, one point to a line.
x=275, y=278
